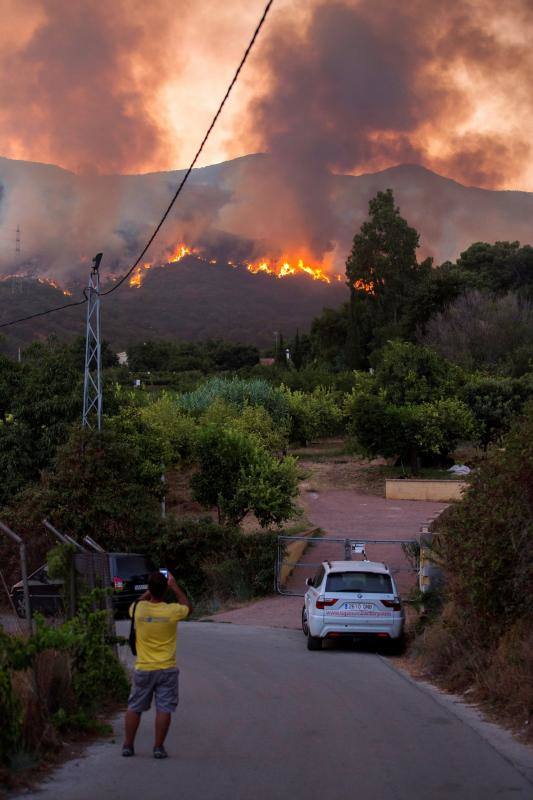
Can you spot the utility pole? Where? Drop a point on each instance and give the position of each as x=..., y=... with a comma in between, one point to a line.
x=92, y=382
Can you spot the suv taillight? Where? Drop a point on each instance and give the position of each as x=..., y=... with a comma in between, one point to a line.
x=395, y=604
x=321, y=601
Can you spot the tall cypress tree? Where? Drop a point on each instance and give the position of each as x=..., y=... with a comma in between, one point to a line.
x=297, y=352
x=382, y=274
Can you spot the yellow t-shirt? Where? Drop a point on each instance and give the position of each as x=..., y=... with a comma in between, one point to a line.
x=156, y=631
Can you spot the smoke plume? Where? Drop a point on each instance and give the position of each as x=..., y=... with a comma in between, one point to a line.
x=334, y=87
x=360, y=86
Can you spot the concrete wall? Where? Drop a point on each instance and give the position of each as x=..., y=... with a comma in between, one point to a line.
x=438, y=491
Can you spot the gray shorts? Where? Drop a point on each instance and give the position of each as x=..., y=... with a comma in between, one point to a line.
x=163, y=683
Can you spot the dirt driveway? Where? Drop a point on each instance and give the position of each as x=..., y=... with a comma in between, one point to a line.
x=344, y=514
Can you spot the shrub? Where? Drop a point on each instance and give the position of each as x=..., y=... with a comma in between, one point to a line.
x=314, y=415
x=253, y=420
x=491, y=566
x=410, y=432
x=208, y=559
x=240, y=392
x=107, y=484
x=238, y=475
x=92, y=677
x=179, y=431
x=495, y=402
x=11, y=728
x=485, y=543
x=409, y=373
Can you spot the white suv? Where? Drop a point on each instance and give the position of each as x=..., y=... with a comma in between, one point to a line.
x=352, y=599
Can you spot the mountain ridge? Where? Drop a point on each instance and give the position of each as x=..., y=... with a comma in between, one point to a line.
x=66, y=218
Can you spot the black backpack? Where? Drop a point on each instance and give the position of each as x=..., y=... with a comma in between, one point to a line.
x=132, y=638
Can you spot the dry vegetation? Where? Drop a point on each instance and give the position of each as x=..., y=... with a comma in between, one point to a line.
x=481, y=641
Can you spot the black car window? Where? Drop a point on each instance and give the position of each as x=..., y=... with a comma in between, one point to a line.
x=319, y=577
x=128, y=567
x=369, y=582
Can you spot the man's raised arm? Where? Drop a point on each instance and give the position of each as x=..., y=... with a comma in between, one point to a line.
x=180, y=594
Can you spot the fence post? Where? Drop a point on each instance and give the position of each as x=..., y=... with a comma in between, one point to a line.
x=23, y=568
x=72, y=572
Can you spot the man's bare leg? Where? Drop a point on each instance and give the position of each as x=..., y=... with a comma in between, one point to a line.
x=162, y=724
x=131, y=723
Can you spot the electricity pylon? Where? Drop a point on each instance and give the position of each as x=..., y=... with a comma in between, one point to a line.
x=92, y=382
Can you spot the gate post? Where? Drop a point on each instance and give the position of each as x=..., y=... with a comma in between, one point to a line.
x=23, y=568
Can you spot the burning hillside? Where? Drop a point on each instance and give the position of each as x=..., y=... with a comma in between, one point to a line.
x=276, y=267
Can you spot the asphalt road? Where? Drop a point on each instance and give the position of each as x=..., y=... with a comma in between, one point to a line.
x=261, y=718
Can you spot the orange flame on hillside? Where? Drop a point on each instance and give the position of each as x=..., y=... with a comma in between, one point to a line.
x=55, y=285
x=284, y=267
x=180, y=251
x=279, y=268
x=138, y=274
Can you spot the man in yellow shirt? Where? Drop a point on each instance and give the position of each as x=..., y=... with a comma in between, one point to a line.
x=156, y=671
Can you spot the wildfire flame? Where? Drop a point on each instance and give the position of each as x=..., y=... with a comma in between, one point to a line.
x=180, y=251
x=283, y=267
x=365, y=286
x=138, y=274
x=279, y=268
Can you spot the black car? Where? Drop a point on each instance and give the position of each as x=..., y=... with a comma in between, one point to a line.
x=128, y=579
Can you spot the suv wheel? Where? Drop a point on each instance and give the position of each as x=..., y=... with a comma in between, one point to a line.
x=305, y=625
x=314, y=642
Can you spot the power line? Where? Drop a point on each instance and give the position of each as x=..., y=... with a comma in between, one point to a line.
x=198, y=152
x=178, y=190
x=43, y=313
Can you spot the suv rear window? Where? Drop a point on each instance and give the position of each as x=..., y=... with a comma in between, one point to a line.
x=371, y=582
x=132, y=566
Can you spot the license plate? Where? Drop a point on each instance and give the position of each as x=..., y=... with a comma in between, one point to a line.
x=358, y=606
x=141, y=586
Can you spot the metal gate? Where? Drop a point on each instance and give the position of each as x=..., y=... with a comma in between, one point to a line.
x=298, y=558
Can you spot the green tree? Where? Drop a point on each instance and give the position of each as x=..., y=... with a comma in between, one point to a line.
x=10, y=382
x=107, y=485
x=409, y=373
x=495, y=403
x=482, y=331
x=382, y=274
x=314, y=415
x=296, y=351
x=45, y=399
x=410, y=432
x=238, y=475
x=177, y=429
x=329, y=335
x=280, y=355
x=499, y=268
x=252, y=420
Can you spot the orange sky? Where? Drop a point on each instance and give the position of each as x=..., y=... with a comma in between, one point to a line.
x=130, y=86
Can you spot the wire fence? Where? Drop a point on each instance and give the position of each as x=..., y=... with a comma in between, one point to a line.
x=299, y=557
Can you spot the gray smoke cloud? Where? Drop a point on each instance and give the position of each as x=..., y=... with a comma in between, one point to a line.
x=364, y=85
x=343, y=86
